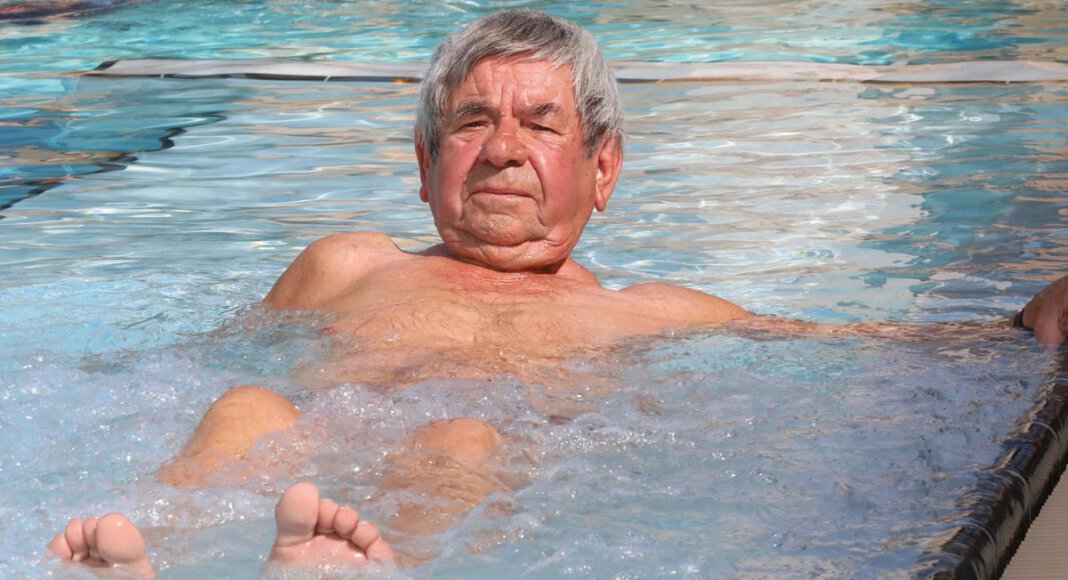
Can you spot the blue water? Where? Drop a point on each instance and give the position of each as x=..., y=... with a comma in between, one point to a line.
x=876, y=32
x=869, y=32
x=147, y=215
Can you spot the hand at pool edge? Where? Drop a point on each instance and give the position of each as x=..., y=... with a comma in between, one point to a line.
x=1047, y=314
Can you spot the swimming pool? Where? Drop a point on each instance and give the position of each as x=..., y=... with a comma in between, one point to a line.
x=715, y=455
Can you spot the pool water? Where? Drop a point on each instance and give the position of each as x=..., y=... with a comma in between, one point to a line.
x=144, y=218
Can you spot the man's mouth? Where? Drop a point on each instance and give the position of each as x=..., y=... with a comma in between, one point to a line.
x=504, y=191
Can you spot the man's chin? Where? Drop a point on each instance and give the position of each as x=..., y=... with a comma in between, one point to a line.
x=524, y=257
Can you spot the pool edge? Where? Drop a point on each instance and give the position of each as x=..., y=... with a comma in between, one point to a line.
x=1021, y=71
x=1001, y=508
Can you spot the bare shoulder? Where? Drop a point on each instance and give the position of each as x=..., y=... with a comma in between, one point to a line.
x=328, y=267
x=686, y=304
x=347, y=244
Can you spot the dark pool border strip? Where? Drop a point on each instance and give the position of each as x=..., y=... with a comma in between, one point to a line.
x=1021, y=71
x=1007, y=498
x=34, y=186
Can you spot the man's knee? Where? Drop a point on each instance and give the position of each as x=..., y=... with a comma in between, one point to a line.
x=255, y=403
x=466, y=440
x=227, y=431
x=244, y=413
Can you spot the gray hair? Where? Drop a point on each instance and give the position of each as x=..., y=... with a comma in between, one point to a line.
x=538, y=37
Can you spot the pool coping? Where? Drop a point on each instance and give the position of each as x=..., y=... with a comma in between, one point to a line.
x=1021, y=71
x=1008, y=497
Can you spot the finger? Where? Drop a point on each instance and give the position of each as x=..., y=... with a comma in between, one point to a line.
x=1052, y=325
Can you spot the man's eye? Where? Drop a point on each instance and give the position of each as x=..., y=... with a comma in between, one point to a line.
x=468, y=125
x=537, y=127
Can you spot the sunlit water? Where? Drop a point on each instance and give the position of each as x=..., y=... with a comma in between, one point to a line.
x=710, y=455
x=868, y=32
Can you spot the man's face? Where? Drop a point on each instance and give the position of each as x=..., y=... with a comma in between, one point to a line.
x=512, y=187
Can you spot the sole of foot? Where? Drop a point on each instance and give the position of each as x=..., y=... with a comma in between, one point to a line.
x=316, y=532
x=109, y=542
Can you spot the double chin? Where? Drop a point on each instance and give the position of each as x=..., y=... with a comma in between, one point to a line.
x=506, y=252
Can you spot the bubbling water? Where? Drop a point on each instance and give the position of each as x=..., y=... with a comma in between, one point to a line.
x=709, y=455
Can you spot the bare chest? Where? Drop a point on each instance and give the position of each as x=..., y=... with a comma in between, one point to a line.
x=537, y=321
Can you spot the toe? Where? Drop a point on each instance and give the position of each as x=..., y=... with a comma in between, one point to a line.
x=345, y=522
x=297, y=514
x=76, y=540
x=380, y=552
x=89, y=533
x=327, y=512
x=367, y=538
x=118, y=541
x=61, y=547
x=366, y=533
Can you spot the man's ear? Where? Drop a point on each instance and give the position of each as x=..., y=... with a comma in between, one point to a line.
x=609, y=163
x=423, y=158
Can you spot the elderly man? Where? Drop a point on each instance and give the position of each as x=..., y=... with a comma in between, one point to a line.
x=518, y=137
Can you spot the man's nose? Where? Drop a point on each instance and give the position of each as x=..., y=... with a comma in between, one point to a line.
x=505, y=147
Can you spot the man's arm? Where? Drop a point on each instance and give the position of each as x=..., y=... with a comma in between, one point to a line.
x=685, y=306
x=1047, y=314
x=326, y=269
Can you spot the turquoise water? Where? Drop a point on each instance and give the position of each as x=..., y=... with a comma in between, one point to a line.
x=147, y=214
x=868, y=32
x=876, y=32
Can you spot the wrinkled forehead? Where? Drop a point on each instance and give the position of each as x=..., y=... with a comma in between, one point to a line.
x=537, y=80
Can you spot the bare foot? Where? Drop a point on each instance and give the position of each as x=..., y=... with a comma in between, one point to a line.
x=314, y=532
x=107, y=542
